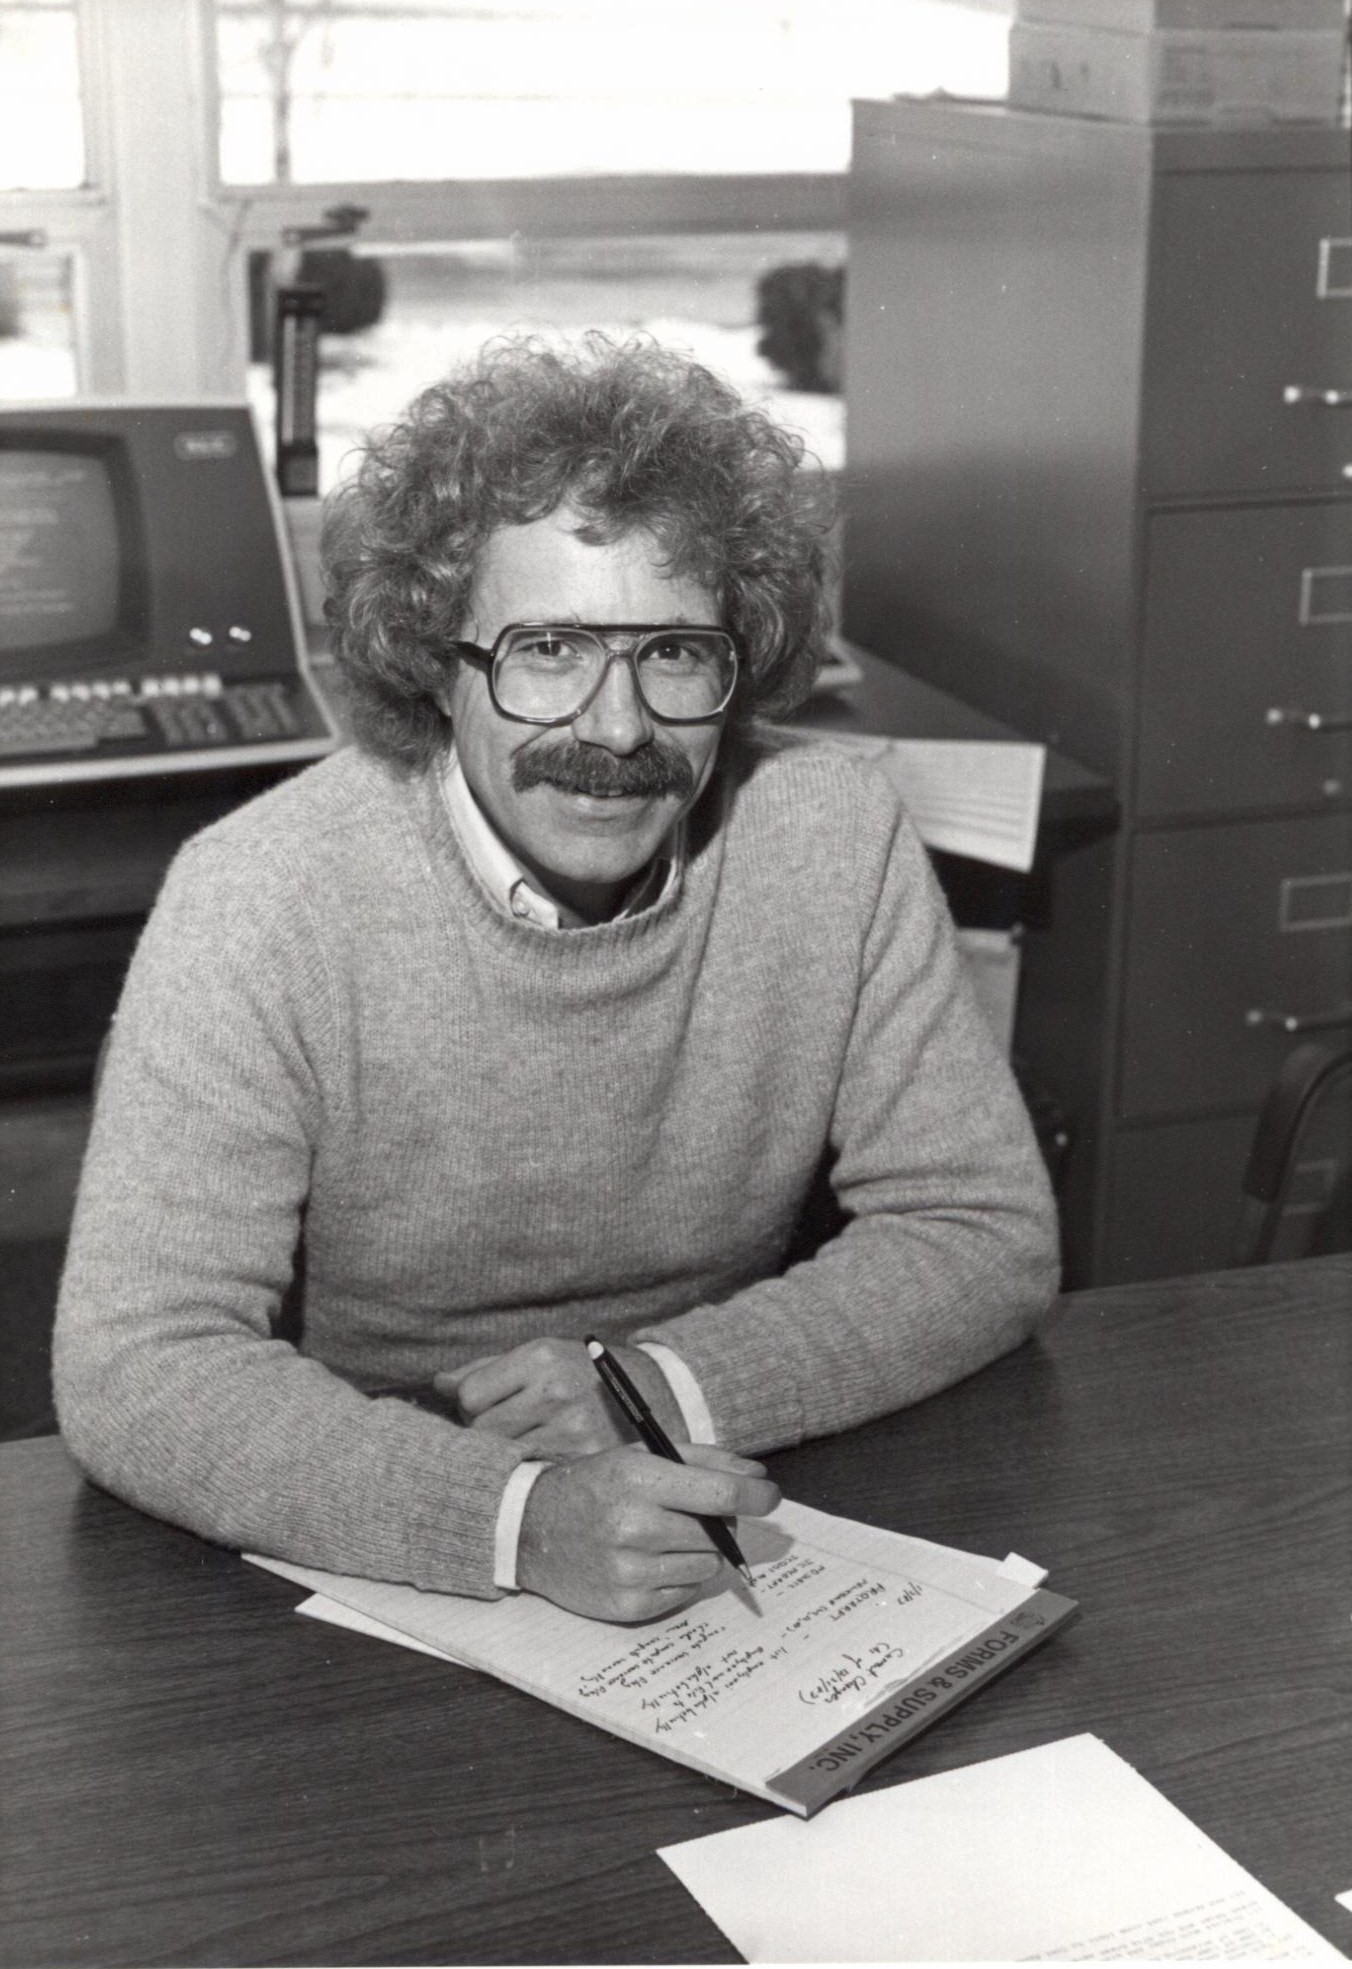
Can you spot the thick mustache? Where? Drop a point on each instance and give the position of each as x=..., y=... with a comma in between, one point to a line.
x=654, y=769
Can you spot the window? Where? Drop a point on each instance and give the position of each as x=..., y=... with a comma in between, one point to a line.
x=562, y=164
x=42, y=156
x=41, y=133
x=331, y=91
x=534, y=156
x=696, y=291
x=37, y=325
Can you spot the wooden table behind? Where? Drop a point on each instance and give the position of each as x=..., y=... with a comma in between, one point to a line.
x=190, y=1774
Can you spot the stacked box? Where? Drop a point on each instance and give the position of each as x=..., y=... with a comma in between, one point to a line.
x=1188, y=16
x=1220, y=74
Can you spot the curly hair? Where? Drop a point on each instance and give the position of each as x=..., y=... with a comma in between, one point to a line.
x=631, y=436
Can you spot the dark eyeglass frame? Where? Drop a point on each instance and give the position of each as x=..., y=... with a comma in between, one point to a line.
x=643, y=633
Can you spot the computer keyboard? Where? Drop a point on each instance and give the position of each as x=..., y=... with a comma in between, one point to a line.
x=187, y=711
x=38, y=725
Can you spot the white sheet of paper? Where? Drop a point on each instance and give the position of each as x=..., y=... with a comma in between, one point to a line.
x=977, y=797
x=1063, y=1853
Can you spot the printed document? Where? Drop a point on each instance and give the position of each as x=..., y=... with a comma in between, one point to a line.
x=976, y=797
x=1059, y=1854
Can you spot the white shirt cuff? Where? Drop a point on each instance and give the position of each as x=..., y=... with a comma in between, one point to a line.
x=686, y=1392
x=511, y=1510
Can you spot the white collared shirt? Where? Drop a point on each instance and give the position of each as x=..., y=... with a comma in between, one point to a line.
x=507, y=885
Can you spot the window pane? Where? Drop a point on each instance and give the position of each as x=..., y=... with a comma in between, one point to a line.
x=41, y=137
x=37, y=343
x=316, y=91
x=700, y=293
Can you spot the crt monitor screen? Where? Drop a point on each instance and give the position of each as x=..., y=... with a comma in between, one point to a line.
x=60, y=549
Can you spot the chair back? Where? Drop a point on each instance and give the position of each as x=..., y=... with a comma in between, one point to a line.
x=1297, y=1183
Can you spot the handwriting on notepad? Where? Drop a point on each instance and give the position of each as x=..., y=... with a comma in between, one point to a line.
x=707, y=1683
x=837, y=1606
x=797, y=1568
x=655, y=1654
x=854, y=1674
x=650, y=1658
x=708, y=1658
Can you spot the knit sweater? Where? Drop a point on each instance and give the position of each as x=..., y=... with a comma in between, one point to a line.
x=484, y=1132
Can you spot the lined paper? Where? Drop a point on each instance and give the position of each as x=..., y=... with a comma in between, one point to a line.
x=739, y=1684
x=976, y=797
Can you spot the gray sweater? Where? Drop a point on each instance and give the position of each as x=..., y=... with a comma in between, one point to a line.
x=491, y=1132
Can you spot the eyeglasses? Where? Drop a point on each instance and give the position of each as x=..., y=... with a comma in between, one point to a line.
x=547, y=673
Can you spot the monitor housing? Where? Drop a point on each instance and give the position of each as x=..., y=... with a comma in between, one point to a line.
x=149, y=617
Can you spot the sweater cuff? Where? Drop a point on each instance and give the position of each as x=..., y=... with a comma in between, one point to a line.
x=685, y=1392
x=750, y=1410
x=454, y=1492
x=507, y=1535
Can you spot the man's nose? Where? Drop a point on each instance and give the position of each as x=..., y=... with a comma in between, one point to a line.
x=617, y=717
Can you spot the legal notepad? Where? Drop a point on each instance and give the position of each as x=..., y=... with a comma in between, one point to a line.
x=854, y=1640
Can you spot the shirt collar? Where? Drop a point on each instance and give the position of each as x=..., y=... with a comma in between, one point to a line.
x=517, y=893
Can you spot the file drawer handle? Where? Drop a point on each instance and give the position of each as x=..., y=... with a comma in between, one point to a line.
x=1301, y=393
x=1333, y=282
x=1259, y=1015
x=1305, y=721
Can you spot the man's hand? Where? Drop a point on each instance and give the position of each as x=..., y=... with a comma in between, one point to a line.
x=616, y=1536
x=547, y=1396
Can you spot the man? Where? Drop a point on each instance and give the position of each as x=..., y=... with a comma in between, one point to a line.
x=535, y=1014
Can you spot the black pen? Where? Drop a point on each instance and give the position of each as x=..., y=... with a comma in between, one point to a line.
x=656, y=1439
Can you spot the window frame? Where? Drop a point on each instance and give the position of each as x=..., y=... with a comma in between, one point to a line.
x=586, y=207
x=76, y=223
x=154, y=201
x=146, y=106
x=77, y=220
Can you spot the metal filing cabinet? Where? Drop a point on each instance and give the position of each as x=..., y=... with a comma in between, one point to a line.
x=1100, y=485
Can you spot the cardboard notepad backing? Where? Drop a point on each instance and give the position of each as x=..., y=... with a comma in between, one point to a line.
x=1197, y=16
x=855, y=1641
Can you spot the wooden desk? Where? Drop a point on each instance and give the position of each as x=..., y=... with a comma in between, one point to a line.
x=189, y=1773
